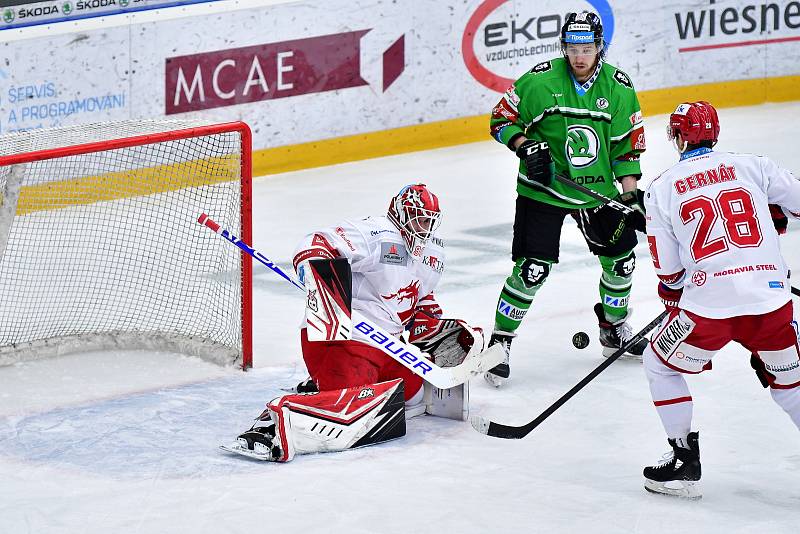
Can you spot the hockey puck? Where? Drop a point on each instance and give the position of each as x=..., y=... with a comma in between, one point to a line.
x=580, y=340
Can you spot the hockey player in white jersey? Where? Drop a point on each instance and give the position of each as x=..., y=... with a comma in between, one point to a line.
x=722, y=277
x=387, y=269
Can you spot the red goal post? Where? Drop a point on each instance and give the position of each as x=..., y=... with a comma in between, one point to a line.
x=99, y=246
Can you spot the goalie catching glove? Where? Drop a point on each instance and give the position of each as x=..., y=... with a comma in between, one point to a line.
x=448, y=342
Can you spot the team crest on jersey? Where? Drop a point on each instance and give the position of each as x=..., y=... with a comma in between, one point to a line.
x=623, y=79
x=541, y=67
x=601, y=103
x=699, y=278
x=393, y=253
x=582, y=145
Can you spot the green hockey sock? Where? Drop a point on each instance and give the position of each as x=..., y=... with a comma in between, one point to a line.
x=615, y=284
x=517, y=295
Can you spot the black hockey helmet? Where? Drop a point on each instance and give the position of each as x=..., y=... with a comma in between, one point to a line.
x=583, y=28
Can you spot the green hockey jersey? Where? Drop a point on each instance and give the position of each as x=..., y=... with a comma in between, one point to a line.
x=595, y=130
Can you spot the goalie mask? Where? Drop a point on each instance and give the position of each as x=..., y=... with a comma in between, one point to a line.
x=415, y=212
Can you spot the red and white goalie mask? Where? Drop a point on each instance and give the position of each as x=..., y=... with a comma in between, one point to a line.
x=415, y=212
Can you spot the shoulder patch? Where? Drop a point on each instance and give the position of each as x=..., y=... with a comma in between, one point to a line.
x=541, y=67
x=437, y=241
x=623, y=79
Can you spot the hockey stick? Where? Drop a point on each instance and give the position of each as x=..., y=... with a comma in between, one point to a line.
x=406, y=354
x=595, y=195
x=490, y=428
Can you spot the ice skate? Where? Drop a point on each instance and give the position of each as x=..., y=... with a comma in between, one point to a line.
x=498, y=375
x=257, y=443
x=614, y=335
x=679, y=474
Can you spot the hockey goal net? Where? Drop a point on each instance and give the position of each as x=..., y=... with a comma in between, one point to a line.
x=100, y=248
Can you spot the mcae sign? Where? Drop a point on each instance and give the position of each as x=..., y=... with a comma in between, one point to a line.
x=263, y=72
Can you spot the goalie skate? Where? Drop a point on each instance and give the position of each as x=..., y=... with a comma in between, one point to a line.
x=237, y=448
x=257, y=443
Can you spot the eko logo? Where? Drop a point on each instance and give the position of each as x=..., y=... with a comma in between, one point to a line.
x=582, y=146
x=502, y=39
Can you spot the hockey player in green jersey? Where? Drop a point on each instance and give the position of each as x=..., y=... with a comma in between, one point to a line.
x=578, y=117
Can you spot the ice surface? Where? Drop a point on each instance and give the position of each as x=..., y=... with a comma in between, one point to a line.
x=127, y=441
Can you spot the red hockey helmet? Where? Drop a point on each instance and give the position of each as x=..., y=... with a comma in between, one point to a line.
x=416, y=214
x=695, y=121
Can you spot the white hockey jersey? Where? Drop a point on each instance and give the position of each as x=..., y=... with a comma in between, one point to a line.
x=388, y=283
x=709, y=229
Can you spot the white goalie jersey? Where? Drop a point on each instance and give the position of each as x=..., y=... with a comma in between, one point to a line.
x=710, y=231
x=389, y=284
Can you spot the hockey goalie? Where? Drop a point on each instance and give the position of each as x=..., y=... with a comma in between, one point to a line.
x=386, y=268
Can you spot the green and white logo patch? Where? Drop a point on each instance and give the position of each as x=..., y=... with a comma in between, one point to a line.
x=582, y=145
x=8, y=16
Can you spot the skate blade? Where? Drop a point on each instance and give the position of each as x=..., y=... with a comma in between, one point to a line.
x=241, y=451
x=495, y=380
x=685, y=489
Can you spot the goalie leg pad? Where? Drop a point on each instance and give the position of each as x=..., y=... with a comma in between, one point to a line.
x=338, y=420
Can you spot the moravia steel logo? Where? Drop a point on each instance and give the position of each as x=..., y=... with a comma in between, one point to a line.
x=504, y=39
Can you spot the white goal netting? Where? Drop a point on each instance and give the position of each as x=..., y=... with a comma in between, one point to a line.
x=99, y=244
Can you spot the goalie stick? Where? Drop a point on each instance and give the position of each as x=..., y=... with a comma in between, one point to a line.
x=497, y=430
x=406, y=354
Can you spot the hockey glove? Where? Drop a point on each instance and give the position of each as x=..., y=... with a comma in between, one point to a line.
x=670, y=297
x=634, y=200
x=538, y=162
x=779, y=218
